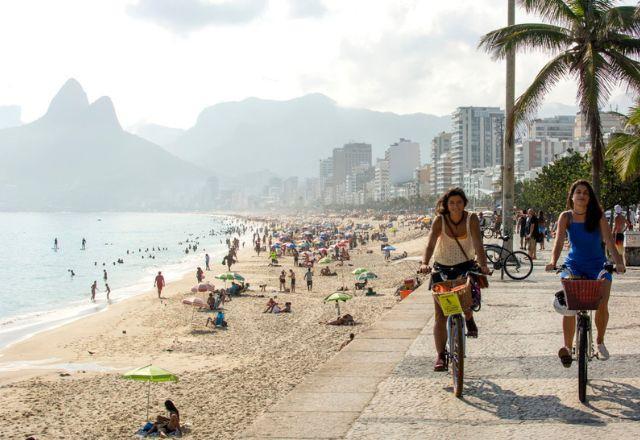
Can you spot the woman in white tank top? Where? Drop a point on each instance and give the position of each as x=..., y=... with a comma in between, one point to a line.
x=451, y=258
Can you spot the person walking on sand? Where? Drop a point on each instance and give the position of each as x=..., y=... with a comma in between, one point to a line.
x=206, y=261
x=308, y=276
x=159, y=283
x=108, y=289
x=292, y=275
x=199, y=274
x=94, y=288
x=283, y=281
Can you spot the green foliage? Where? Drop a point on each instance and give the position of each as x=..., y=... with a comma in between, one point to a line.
x=624, y=148
x=548, y=191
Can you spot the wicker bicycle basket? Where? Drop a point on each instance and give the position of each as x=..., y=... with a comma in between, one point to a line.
x=583, y=294
x=461, y=286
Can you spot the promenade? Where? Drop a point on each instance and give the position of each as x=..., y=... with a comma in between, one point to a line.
x=383, y=384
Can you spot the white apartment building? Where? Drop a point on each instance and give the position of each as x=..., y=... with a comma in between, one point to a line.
x=441, y=144
x=381, y=186
x=442, y=173
x=476, y=141
x=404, y=158
x=610, y=122
x=556, y=127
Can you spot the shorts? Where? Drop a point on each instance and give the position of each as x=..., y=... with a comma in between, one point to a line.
x=619, y=239
x=450, y=272
x=589, y=273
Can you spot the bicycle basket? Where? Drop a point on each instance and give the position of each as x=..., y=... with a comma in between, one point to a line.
x=583, y=294
x=461, y=286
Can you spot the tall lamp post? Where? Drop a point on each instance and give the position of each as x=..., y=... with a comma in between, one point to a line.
x=508, y=151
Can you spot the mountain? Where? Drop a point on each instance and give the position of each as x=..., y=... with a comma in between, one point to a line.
x=9, y=116
x=289, y=137
x=158, y=134
x=77, y=157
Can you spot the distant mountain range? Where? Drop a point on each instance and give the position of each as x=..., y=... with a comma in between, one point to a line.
x=289, y=137
x=158, y=134
x=77, y=157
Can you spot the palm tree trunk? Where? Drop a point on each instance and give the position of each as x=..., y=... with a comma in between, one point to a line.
x=597, y=150
x=508, y=152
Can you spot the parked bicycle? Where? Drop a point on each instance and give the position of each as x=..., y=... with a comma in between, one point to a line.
x=582, y=297
x=517, y=264
x=454, y=296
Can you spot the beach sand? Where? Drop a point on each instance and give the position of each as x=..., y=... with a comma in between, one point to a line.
x=226, y=377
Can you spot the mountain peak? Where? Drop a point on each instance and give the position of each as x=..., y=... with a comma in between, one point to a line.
x=103, y=112
x=68, y=101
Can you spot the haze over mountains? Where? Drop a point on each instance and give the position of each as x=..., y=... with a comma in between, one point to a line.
x=9, y=116
x=289, y=137
x=77, y=157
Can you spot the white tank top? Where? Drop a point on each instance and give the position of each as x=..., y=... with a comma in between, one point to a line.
x=447, y=252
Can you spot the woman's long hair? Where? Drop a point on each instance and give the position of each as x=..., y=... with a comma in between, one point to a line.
x=441, y=205
x=171, y=407
x=594, y=211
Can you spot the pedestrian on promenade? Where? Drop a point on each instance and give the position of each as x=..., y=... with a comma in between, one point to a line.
x=455, y=242
x=542, y=229
x=522, y=227
x=159, y=283
x=531, y=228
x=587, y=228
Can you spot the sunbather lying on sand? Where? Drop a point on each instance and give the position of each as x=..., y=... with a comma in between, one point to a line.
x=342, y=320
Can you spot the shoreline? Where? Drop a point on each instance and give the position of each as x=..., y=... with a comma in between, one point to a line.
x=22, y=326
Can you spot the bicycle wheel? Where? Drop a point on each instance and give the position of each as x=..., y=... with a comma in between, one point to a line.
x=457, y=353
x=487, y=233
x=493, y=255
x=583, y=334
x=518, y=265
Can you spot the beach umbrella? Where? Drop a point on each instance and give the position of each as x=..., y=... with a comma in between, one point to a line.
x=203, y=287
x=366, y=276
x=337, y=297
x=359, y=270
x=389, y=248
x=150, y=373
x=230, y=276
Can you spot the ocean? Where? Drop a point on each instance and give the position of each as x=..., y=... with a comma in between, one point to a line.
x=37, y=290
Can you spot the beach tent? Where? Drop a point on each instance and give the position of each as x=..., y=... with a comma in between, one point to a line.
x=150, y=373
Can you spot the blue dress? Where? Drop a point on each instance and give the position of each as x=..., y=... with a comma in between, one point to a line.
x=586, y=256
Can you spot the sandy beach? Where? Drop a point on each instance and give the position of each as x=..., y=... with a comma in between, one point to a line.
x=67, y=382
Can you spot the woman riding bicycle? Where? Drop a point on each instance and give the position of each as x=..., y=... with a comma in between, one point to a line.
x=587, y=228
x=454, y=242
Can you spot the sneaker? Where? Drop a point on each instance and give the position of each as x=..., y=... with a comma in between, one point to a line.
x=565, y=357
x=603, y=353
x=472, y=328
x=441, y=363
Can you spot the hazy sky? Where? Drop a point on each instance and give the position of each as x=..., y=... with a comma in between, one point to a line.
x=163, y=61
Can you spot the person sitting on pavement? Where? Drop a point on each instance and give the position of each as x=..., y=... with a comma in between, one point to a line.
x=587, y=227
x=454, y=242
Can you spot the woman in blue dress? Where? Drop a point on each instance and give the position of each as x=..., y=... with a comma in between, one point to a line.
x=587, y=229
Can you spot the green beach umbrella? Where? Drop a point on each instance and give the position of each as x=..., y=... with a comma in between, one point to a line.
x=337, y=297
x=366, y=276
x=230, y=276
x=150, y=373
x=325, y=260
x=360, y=270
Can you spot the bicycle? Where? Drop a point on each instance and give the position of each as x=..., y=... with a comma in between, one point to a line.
x=583, y=297
x=517, y=264
x=453, y=295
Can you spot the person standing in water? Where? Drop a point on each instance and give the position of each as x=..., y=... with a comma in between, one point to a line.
x=106, y=286
x=159, y=283
x=84, y=243
x=55, y=244
x=104, y=275
x=94, y=288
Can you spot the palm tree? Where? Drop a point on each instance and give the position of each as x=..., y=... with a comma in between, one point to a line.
x=624, y=148
x=592, y=41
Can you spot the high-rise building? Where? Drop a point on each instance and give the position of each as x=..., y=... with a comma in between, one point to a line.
x=557, y=127
x=423, y=177
x=404, y=158
x=441, y=144
x=347, y=158
x=610, y=122
x=476, y=141
x=381, y=185
x=443, y=173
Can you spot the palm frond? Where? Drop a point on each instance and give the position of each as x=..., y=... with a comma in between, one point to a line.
x=633, y=121
x=621, y=43
x=623, y=19
x=525, y=36
x=624, y=150
x=528, y=103
x=623, y=69
x=554, y=11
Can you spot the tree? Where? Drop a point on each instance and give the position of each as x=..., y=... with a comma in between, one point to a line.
x=593, y=41
x=624, y=148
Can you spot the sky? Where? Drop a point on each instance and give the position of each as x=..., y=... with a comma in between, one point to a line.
x=164, y=61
